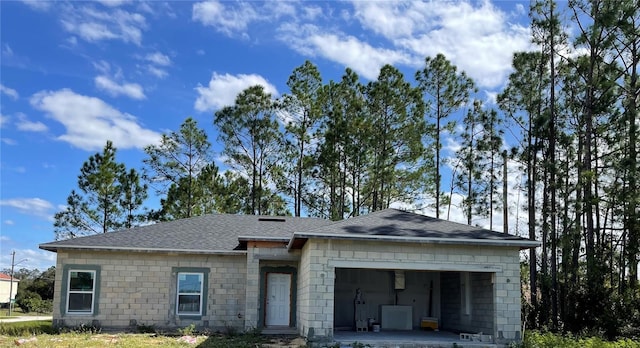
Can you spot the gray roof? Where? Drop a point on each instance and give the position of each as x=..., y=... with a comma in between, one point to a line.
x=207, y=233
x=398, y=225
x=226, y=233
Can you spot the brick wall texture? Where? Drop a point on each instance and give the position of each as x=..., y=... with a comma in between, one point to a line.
x=140, y=286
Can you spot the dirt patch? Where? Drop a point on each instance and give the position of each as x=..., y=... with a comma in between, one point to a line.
x=286, y=342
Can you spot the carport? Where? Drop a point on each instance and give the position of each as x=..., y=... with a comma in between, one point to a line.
x=414, y=300
x=405, y=272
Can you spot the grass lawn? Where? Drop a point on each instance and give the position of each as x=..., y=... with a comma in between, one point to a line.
x=17, y=312
x=42, y=334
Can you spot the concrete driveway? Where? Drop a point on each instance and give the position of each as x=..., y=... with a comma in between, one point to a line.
x=26, y=318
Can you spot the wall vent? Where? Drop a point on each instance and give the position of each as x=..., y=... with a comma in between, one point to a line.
x=272, y=219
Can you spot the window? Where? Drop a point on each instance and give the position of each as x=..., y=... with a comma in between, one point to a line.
x=190, y=289
x=81, y=291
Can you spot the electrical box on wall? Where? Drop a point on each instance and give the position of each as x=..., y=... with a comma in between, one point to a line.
x=399, y=280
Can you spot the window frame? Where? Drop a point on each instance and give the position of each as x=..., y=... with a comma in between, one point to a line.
x=201, y=293
x=66, y=289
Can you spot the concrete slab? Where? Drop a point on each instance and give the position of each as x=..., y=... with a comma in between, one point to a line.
x=25, y=318
x=405, y=339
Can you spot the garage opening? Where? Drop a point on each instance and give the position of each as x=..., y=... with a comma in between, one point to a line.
x=413, y=300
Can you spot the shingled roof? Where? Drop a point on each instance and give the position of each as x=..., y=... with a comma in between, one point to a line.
x=226, y=233
x=213, y=233
x=398, y=225
x=6, y=277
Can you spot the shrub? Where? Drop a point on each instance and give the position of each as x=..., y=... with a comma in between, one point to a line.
x=141, y=328
x=188, y=330
x=549, y=340
x=28, y=301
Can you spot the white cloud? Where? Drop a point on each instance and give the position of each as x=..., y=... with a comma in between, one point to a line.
x=102, y=66
x=363, y=58
x=113, y=3
x=157, y=72
x=280, y=8
x=93, y=25
x=312, y=12
x=38, y=5
x=6, y=50
x=24, y=124
x=478, y=39
x=131, y=90
x=9, y=92
x=10, y=223
x=225, y=19
x=90, y=122
x=34, y=259
x=223, y=89
x=8, y=141
x=30, y=206
x=72, y=41
x=3, y=120
x=158, y=59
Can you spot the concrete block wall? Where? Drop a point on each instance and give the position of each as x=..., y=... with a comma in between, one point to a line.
x=256, y=258
x=320, y=257
x=451, y=308
x=482, y=303
x=252, y=289
x=140, y=287
x=508, y=300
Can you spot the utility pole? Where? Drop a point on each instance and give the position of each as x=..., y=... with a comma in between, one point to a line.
x=13, y=258
x=13, y=264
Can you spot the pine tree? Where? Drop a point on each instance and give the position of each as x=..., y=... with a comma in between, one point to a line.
x=395, y=112
x=175, y=164
x=445, y=91
x=133, y=196
x=251, y=139
x=522, y=101
x=301, y=111
x=101, y=205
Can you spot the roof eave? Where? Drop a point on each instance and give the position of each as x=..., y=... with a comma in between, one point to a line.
x=55, y=248
x=262, y=239
x=302, y=237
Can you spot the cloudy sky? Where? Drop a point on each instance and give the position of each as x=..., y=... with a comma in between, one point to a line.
x=76, y=74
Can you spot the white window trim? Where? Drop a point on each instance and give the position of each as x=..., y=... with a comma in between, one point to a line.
x=178, y=293
x=92, y=292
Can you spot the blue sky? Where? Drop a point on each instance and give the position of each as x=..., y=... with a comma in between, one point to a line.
x=76, y=74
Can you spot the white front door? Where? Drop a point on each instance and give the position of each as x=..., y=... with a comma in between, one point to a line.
x=278, y=299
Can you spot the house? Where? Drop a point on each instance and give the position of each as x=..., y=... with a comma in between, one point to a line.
x=8, y=285
x=312, y=276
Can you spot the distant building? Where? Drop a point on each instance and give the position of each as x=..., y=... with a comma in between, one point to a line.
x=5, y=287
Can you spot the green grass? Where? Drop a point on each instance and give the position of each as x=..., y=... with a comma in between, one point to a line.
x=27, y=328
x=549, y=340
x=81, y=340
x=42, y=334
x=17, y=312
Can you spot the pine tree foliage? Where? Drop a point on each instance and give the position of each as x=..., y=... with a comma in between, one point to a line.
x=301, y=111
x=173, y=167
x=252, y=139
x=108, y=198
x=445, y=91
x=395, y=110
